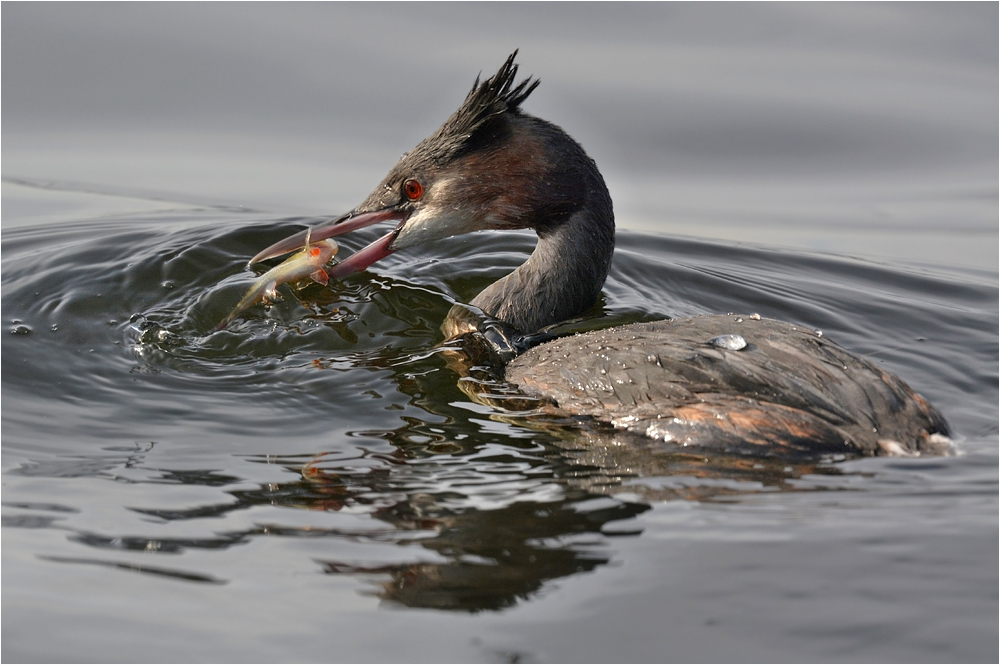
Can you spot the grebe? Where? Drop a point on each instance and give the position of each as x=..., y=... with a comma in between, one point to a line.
x=736, y=383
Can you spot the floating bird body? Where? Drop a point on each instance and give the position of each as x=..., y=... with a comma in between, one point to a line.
x=740, y=383
x=787, y=390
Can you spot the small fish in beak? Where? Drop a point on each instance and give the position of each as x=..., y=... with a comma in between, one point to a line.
x=307, y=263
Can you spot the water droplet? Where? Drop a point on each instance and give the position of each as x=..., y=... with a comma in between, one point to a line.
x=731, y=342
x=20, y=329
x=54, y=327
x=167, y=284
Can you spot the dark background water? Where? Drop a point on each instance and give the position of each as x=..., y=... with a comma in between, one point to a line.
x=315, y=485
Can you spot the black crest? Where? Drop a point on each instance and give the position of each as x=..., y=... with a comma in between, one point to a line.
x=486, y=101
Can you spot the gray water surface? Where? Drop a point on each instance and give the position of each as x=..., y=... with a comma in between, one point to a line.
x=314, y=484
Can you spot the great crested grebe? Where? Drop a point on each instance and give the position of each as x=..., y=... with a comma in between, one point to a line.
x=739, y=383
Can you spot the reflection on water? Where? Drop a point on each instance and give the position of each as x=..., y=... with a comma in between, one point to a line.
x=338, y=434
x=264, y=492
x=496, y=523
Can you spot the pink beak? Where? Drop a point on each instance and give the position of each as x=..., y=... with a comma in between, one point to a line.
x=339, y=226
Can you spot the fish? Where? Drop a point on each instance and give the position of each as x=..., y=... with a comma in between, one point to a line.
x=307, y=262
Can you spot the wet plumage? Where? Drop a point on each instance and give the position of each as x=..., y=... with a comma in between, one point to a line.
x=781, y=389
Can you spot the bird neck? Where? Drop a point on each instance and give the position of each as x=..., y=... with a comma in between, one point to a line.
x=563, y=277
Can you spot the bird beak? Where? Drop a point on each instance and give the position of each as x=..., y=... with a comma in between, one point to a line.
x=339, y=226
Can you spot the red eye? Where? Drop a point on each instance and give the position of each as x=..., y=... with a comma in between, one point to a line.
x=413, y=190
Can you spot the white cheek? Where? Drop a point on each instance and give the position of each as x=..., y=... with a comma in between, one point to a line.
x=430, y=224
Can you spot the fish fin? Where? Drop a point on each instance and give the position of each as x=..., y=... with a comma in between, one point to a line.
x=271, y=294
x=321, y=277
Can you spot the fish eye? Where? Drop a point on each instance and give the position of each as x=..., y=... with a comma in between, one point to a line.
x=413, y=189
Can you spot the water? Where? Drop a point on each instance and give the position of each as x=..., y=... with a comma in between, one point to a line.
x=317, y=463
x=314, y=484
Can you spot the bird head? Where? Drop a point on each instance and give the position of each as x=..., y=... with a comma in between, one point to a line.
x=489, y=166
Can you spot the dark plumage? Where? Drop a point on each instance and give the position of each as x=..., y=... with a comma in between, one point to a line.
x=493, y=166
x=790, y=391
x=495, y=97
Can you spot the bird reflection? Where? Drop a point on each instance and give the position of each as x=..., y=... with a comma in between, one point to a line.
x=489, y=559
